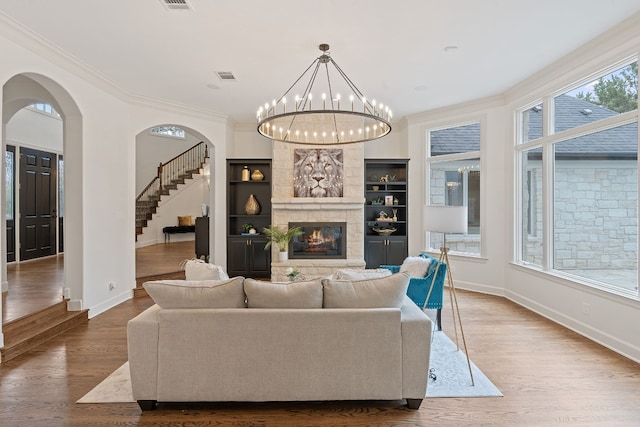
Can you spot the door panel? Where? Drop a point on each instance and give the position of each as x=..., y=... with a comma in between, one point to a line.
x=38, y=190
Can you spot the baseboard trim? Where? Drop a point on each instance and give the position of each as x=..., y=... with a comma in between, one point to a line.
x=110, y=303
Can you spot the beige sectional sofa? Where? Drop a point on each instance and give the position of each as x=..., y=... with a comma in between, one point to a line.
x=244, y=340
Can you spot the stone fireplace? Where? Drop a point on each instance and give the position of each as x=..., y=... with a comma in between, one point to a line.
x=347, y=210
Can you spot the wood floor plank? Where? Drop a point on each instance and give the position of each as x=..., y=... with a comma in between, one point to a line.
x=548, y=374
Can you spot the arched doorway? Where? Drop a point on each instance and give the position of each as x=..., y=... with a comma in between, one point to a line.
x=19, y=92
x=186, y=155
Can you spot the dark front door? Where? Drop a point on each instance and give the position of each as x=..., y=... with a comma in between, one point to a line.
x=37, y=203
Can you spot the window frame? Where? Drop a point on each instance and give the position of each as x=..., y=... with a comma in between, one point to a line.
x=547, y=142
x=429, y=160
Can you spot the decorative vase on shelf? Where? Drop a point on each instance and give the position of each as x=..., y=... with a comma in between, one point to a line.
x=252, y=207
x=283, y=256
x=257, y=175
x=245, y=173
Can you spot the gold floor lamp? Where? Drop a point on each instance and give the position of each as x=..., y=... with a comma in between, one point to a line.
x=449, y=219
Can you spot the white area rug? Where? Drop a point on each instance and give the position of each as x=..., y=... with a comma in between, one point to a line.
x=116, y=388
x=447, y=364
x=452, y=379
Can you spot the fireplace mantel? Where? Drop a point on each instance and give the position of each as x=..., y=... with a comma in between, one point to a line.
x=304, y=203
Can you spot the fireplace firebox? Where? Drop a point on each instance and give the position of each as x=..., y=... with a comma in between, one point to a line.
x=321, y=240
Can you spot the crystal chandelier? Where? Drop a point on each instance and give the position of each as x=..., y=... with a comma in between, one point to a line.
x=324, y=112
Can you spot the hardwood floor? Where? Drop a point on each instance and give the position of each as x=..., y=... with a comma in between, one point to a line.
x=548, y=375
x=37, y=284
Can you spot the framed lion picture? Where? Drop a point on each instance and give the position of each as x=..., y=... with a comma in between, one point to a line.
x=318, y=172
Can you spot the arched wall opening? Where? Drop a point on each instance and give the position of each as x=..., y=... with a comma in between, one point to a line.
x=195, y=194
x=23, y=90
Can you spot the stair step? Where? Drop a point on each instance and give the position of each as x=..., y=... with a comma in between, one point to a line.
x=27, y=332
x=139, y=291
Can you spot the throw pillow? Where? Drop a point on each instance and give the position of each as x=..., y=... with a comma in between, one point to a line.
x=197, y=269
x=415, y=266
x=283, y=295
x=360, y=274
x=185, y=220
x=197, y=293
x=384, y=292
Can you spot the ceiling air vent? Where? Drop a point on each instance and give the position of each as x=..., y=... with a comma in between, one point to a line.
x=226, y=76
x=176, y=4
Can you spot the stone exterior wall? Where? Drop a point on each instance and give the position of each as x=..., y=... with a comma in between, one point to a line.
x=595, y=216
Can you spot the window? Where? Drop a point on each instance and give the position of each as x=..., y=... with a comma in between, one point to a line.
x=591, y=187
x=454, y=180
x=43, y=108
x=169, y=131
x=9, y=170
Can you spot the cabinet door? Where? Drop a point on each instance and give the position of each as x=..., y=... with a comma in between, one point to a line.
x=260, y=258
x=396, y=250
x=376, y=252
x=237, y=257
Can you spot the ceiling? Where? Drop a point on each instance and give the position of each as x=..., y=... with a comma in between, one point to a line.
x=397, y=52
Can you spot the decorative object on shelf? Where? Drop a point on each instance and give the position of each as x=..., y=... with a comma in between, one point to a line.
x=317, y=172
x=395, y=201
x=248, y=228
x=384, y=178
x=256, y=175
x=292, y=273
x=395, y=214
x=281, y=236
x=245, y=173
x=377, y=202
x=383, y=216
x=252, y=206
x=384, y=231
x=375, y=187
x=334, y=120
x=205, y=210
x=388, y=200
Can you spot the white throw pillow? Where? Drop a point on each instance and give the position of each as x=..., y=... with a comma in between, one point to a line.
x=261, y=294
x=385, y=292
x=415, y=266
x=360, y=274
x=196, y=269
x=197, y=293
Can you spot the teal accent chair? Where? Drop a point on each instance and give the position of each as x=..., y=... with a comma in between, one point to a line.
x=419, y=287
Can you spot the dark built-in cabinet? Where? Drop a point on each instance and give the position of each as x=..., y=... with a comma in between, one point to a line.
x=202, y=237
x=386, y=208
x=246, y=255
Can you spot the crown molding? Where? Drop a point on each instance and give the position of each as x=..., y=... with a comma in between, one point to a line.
x=28, y=39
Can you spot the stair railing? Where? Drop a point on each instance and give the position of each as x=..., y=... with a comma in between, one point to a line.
x=177, y=168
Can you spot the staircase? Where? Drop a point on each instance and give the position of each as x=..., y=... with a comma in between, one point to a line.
x=27, y=332
x=170, y=175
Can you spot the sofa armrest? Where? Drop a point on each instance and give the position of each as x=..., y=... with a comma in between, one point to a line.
x=142, y=345
x=416, y=330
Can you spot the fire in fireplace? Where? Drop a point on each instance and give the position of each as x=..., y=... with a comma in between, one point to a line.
x=321, y=240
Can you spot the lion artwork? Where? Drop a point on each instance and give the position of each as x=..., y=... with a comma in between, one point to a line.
x=317, y=173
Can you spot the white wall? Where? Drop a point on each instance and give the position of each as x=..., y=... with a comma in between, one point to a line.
x=35, y=130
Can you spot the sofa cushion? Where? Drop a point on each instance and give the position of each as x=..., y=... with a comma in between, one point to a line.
x=196, y=269
x=197, y=293
x=415, y=266
x=384, y=292
x=360, y=274
x=303, y=294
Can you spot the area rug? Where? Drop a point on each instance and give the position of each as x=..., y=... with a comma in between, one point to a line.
x=449, y=377
x=116, y=388
x=449, y=372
